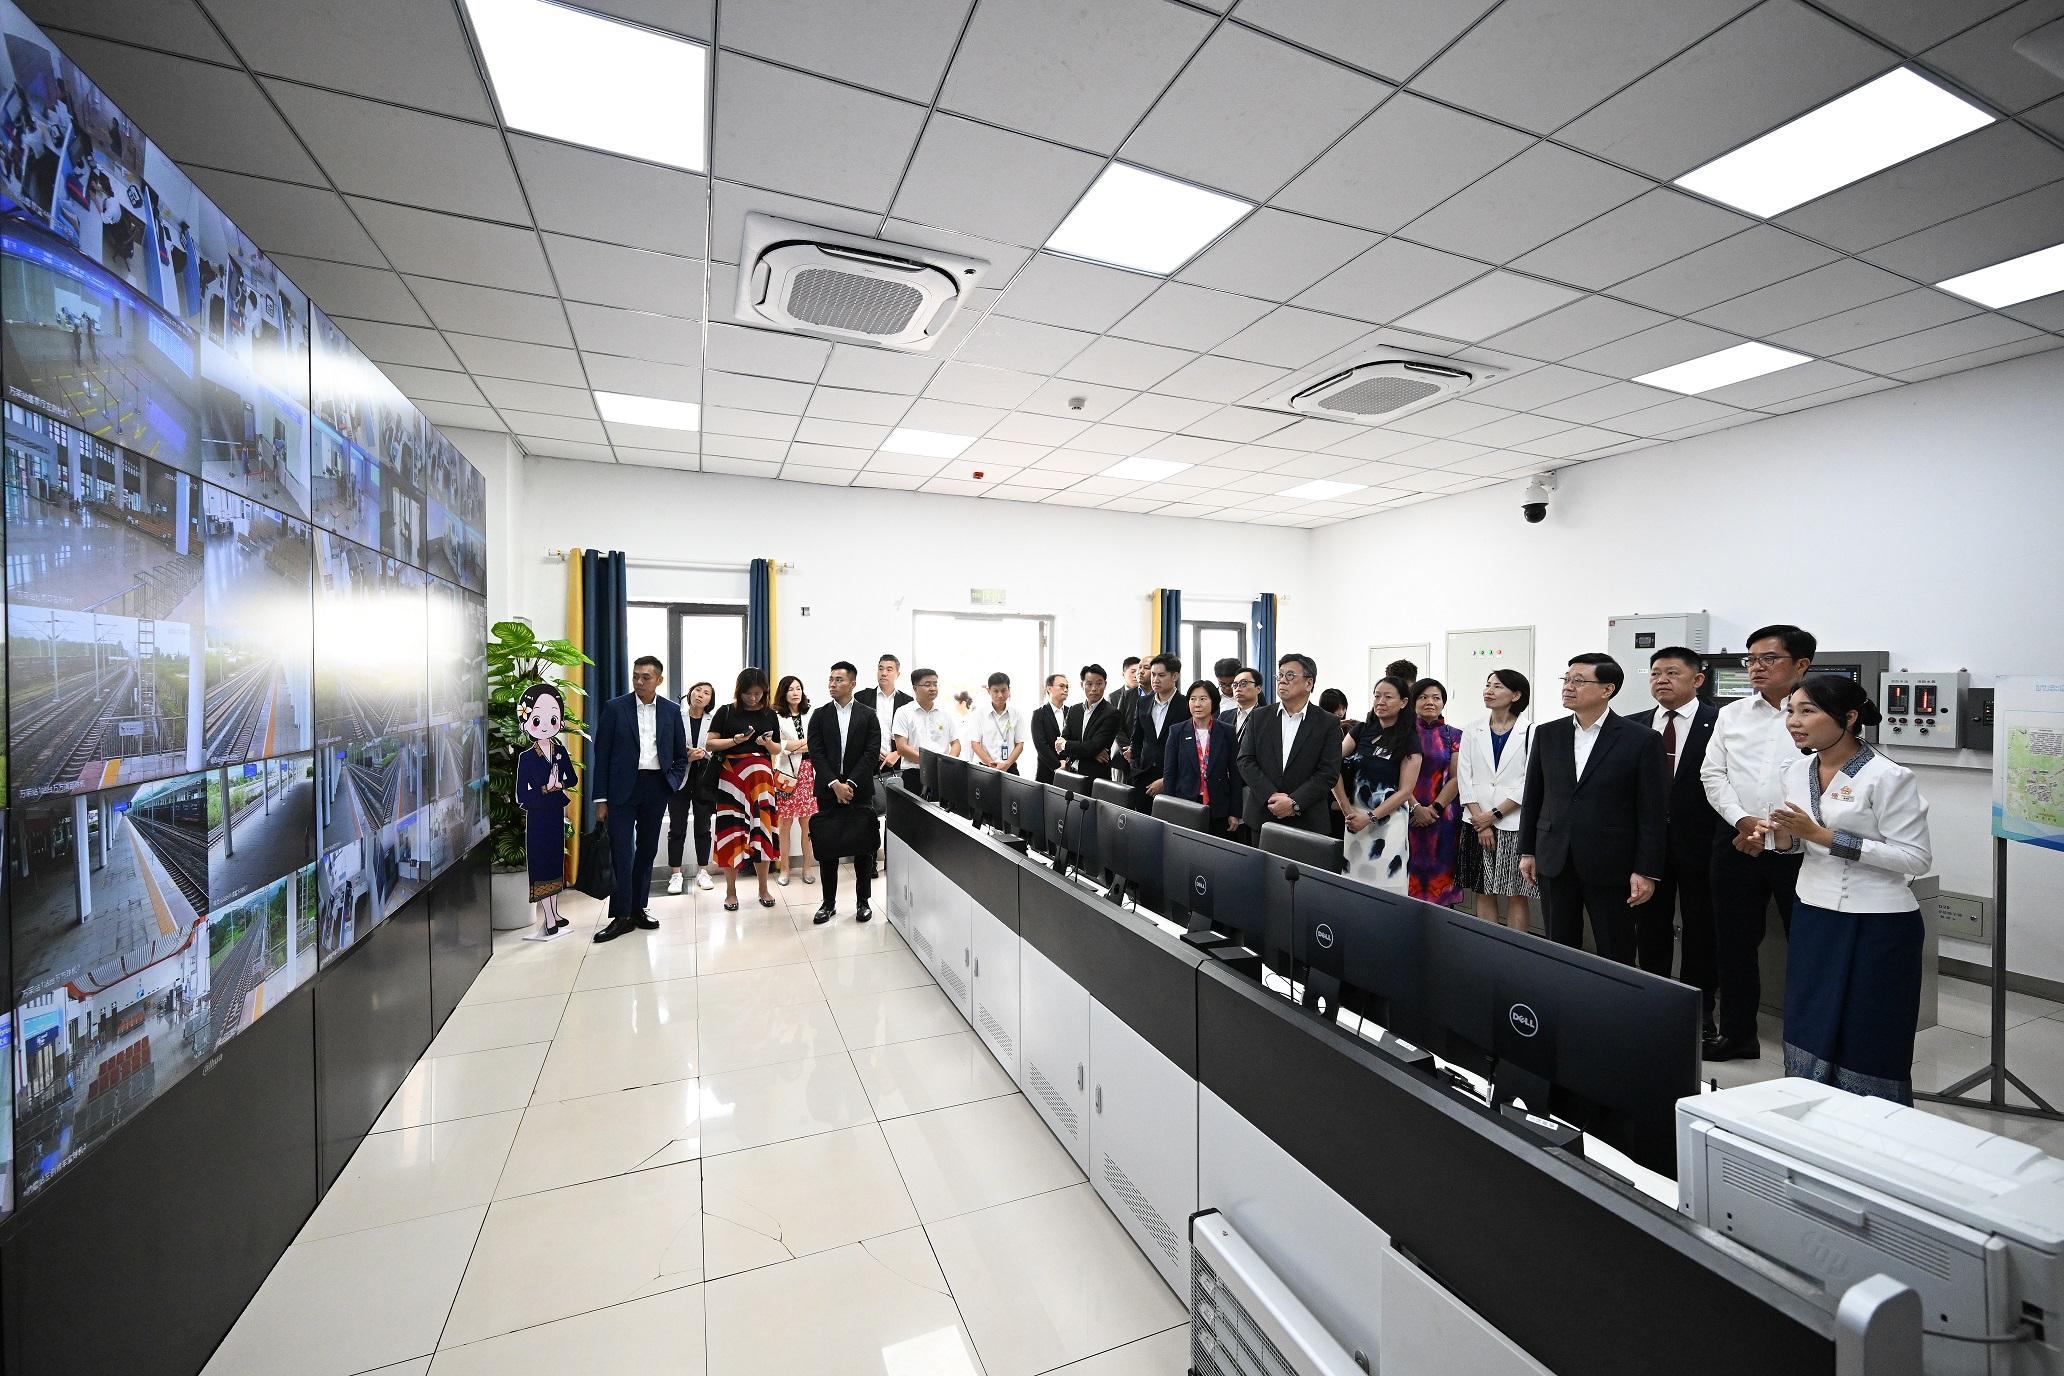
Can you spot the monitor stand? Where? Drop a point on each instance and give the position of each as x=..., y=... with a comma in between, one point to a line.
x=1547, y=1131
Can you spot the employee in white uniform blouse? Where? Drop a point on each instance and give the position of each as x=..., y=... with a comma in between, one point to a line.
x=1490, y=771
x=1853, y=977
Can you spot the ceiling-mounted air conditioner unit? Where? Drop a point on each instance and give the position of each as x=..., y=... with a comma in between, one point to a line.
x=1390, y=385
x=842, y=286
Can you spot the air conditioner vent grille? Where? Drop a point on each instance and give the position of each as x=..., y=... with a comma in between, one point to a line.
x=1380, y=395
x=1224, y=1339
x=848, y=301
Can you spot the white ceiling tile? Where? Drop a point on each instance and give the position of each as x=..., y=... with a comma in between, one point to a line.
x=1071, y=400
x=2044, y=312
x=1003, y=387
x=1604, y=403
x=653, y=439
x=1311, y=434
x=1915, y=24
x=1264, y=481
x=1022, y=345
x=1953, y=340
x=1273, y=255
x=642, y=377
x=540, y=447
x=384, y=343
x=1155, y=412
x=902, y=49
x=868, y=408
x=992, y=183
x=491, y=311
x=755, y=393
x=1906, y=313
x=1316, y=466
x=283, y=218
x=759, y=425
x=1248, y=113
x=2006, y=230
x=455, y=248
x=1125, y=363
x=798, y=133
x=1242, y=423
x=1672, y=415
x=1076, y=295
x=743, y=468
x=1565, y=444
x=1393, y=277
x=657, y=458
x=1078, y=74
x=1074, y=498
x=1120, y=440
x=1642, y=234
x=1494, y=302
x=1768, y=67
x=1288, y=337
x=1391, y=38
x=1004, y=453
x=538, y=397
x=736, y=349
x=432, y=384
x=1187, y=509
x=1076, y=461
x=1786, y=384
x=1654, y=348
x=951, y=417
x=393, y=154
x=1040, y=481
x=738, y=447
x=1988, y=165
x=1439, y=453
x=1211, y=378
x=878, y=370
x=173, y=26
x=824, y=477
x=1530, y=390
x=1399, y=163
x=1540, y=63
x=1447, y=418
x=956, y=487
x=1376, y=474
x=1003, y=259
x=1429, y=480
x=1376, y=444
x=1544, y=192
x=596, y=196
x=1840, y=286
x=829, y=456
x=844, y=434
x=531, y=425
x=2048, y=117
x=1983, y=57
x=398, y=50
x=1188, y=317
x=1964, y=362
x=1107, y=487
x=346, y=289
x=1581, y=325
x=1512, y=429
x=511, y=358
x=729, y=204
x=1187, y=448
x=636, y=334
x=451, y=415
x=1133, y=504
x=1739, y=263
x=634, y=278
x=1044, y=431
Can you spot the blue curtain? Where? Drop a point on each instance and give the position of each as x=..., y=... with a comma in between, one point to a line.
x=605, y=622
x=1264, y=639
x=1171, y=621
x=759, y=616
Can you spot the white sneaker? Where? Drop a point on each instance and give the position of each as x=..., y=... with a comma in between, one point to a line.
x=782, y=880
x=674, y=882
x=703, y=881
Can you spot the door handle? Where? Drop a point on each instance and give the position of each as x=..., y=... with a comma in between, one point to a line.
x=978, y=969
x=1099, y=1098
x=1078, y=1077
x=963, y=956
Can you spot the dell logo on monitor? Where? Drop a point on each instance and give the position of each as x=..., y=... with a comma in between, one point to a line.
x=1200, y=885
x=1121, y=821
x=1323, y=934
x=1524, y=1020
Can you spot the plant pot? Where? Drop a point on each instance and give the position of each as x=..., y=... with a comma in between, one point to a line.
x=509, y=891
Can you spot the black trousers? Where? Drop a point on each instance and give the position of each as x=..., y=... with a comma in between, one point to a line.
x=634, y=842
x=1565, y=896
x=863, y=879
x=1686, y=884
x=1744, y=887
x=680, y=807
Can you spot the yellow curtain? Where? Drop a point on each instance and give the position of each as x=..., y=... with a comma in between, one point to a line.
x=576, y=634
x=1153, y=627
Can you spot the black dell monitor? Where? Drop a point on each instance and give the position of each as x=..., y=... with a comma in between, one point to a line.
x=1213, y=884
x=1071, y=832
x=1605, y=1047
x=985, y=795
x=1353, y=948
x=1311, y=850
x=1117, y=794
x=928, y=774
x=1129, y=845
x=1068, y=782
x=953, y=784
x=1181, y=812
x=1024, y=808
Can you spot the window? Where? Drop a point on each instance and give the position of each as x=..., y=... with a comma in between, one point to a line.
x=696, y=640
x=1204, y=643
x=967, y=647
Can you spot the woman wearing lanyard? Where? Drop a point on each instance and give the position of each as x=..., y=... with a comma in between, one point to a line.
x=1198, y=759
x=697, y=793
x=1853, y=975
x=1379, y=765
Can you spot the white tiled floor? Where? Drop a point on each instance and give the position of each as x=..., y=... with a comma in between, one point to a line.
x=737, y=1145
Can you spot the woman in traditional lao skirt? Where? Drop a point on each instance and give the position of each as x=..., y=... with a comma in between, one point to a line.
x=745, y=735
x=544, y=774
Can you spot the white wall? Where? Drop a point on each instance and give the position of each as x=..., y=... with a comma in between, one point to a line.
x=1927, y=521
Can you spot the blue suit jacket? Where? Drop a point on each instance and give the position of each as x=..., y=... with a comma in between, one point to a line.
x=613, y=768
x=1179, y=766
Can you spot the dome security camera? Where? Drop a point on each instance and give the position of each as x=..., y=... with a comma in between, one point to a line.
x=1533, y=503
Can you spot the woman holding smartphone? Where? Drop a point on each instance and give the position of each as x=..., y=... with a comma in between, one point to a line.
x=745, y=735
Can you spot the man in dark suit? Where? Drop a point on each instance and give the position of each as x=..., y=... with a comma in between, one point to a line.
x=1130, y=691
x=845, y=752
x=641, y=757
x=884, y=700
x=1676, y=678
x=1089, y=736
x=1289, y=755
x=1157, y=712
x=1593, y=821
x=1046, y=727
x=1239, y=710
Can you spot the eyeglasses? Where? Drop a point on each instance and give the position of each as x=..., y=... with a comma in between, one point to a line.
x=1765, y=661
x=1571, y=681
x=1289, y=676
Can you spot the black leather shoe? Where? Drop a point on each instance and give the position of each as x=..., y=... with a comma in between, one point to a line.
x=618, y=926
x=645, y=920
x=822, y=916
x=1731, y=1049
x=863, y=914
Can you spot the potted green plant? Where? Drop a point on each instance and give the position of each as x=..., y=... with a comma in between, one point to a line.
x=516, y=658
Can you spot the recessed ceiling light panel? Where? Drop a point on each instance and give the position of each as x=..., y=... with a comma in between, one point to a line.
x=1898, y=116
x=581, y=78
x=930, y=444
x=1737, y=364
x=2040, y=273
x=1320, y=490
x=1141, y=470
x=1144, y=221
x=657, y=412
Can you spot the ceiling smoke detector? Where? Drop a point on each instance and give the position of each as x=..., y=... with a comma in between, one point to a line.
x=841, y=286
x=1381, y=389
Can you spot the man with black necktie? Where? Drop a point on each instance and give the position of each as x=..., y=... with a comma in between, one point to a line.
x=1290, y=755
x=1684, y=720
x=1089, y=735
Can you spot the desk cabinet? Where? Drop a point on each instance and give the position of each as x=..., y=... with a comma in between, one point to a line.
x=949, y=934
x=1142, y=1135
x=1054, y=1050
x=996, y=975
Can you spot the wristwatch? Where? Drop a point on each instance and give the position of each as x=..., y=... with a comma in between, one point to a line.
x=1497, y=814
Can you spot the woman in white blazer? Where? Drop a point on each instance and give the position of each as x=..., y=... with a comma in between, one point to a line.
x=1853, y=973
x=1490, y=775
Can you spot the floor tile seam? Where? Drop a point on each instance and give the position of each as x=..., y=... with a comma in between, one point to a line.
x=392, y=1223
x=442, y=1347
x=1145, y=1337
x=1013, y=1091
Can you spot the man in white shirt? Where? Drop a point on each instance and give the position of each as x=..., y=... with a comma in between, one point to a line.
x=997, y=733
x=884, y=701
x=1743, y=779
x=640, y=758
x=1246, y=697
x=1290, y=755
x=922, y=725
x=1685, y=722
x=1089, y=734
x=845, y=752
x=1156, y=713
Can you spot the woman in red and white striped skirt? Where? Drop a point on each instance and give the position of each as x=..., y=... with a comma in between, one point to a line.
x=745, y=735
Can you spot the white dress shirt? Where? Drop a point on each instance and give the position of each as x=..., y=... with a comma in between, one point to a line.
x=885, y=713
x=1661, y=720
x=1880, y=821
x=927, y=730
x=997, y=731
x=1585, y=738
x=1240, y=715
x=1291, y=721
x=1161, y=707
x=1745, y=758
x=844, y=712
x=648, y=734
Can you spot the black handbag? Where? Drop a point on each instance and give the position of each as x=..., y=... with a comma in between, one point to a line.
x=597, y=876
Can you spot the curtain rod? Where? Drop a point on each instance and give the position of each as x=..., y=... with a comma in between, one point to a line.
x=701, y=565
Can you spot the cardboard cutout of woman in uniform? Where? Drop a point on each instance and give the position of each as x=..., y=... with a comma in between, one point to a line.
x=544, y=773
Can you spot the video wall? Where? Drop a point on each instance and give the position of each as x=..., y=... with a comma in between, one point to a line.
x=244, y=718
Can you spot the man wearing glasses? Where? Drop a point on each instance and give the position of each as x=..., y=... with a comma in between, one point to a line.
x=1246, y=697
x=1290, y=756
x=1676, y=676
x=1593, y=818
x=1743, y=781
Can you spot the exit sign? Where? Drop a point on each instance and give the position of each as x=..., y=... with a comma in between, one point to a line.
x=985, y=597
